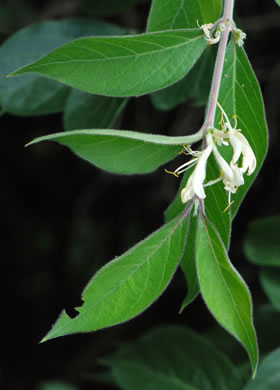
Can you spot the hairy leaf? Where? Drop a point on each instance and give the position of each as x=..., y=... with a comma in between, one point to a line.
x=188, y=264
x=240, y=95
x=173, y=357
x=224, y=291
x=120, y=151
x=122, y=66
x=129, y=284
x=176, y=14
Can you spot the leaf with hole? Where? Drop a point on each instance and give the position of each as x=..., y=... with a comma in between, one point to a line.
x=129, y=284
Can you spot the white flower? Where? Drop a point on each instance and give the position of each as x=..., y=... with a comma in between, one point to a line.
x=207, y=32
x=239, y=144
x=240, y=147
x=239, y=36
x=195, y=182
x=231, y=174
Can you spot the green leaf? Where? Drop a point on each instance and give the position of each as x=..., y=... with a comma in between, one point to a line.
x=195, y=85
x=129, y=284
x=122, y=66
x=240, y=95
x=270, y=281
x=120, y=151
x=172, y=357
x=262, y=244
x=106, y=8
x=214, y=199
x=85, y=111
x=268, y=376
x=177, y=14
x=32, y=94
x=215, y=202
x=224, y=291
x=278, y=2
x=188, y=264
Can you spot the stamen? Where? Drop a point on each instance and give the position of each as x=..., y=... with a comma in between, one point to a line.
x=190, y=151
x=211, y=182
x=185, y=166
x=228, y=206
x=221, y=108
x=182, y=151
x=171, y=173
x=235, y=121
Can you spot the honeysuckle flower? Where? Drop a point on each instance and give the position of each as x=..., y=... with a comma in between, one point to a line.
x=240, y=147
x=194, y=186
x=239, y=144
x=208, y=35
x=231, y=174
x=239, y=36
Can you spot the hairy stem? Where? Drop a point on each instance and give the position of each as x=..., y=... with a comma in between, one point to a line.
x=218, y=70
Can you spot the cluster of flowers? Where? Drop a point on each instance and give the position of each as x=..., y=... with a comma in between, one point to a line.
x=212, y=33
x=231, y=173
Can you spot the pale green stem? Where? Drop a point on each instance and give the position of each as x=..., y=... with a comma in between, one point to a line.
x=227, y=18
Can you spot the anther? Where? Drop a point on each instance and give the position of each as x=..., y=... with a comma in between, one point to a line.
x=171, y=173
x=228, y=206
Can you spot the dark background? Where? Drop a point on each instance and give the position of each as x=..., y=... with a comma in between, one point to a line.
x=62, y=218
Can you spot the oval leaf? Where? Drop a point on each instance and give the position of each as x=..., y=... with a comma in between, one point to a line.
x=173, y=358
x=240, y=95
x=33, y=94
x=129, y=284
x=122, y=66
x=121, y=151
x=176, y=14
x=224, y=291
x=188, y=264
